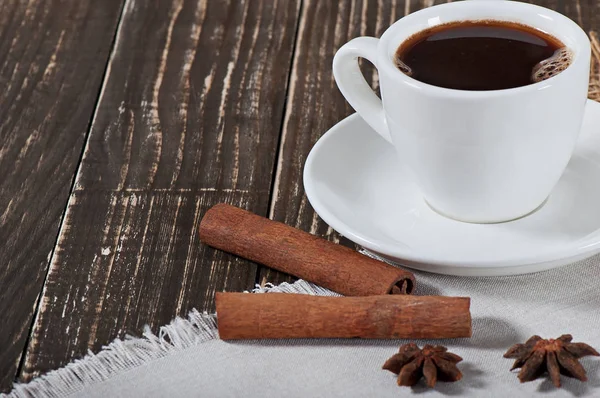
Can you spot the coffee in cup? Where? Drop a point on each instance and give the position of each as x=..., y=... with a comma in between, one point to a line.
x=482, y=55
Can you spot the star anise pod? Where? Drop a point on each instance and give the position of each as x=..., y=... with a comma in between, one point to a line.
x=432, y=362
x=557, y=356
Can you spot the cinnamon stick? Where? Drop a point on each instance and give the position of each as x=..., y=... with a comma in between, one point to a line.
x=280, y=315
x=301, y=254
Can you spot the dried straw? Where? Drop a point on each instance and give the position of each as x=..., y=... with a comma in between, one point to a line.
x=594, y=89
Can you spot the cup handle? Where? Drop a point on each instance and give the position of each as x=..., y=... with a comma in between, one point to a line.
x=353, y=85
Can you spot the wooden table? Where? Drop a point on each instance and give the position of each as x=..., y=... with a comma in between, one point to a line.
x=123, y=121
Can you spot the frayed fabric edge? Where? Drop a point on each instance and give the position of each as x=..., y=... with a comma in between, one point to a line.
x=131, y=352
x=300, y=287
x=120, y=356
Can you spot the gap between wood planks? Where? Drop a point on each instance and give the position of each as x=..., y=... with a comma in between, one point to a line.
x=289, y=95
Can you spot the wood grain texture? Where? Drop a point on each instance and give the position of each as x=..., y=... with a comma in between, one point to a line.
x=189, y=116
x=315, y=104
x=585, y=12
x=52, y=58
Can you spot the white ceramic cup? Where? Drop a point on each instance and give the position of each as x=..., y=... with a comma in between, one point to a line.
x=477, y=156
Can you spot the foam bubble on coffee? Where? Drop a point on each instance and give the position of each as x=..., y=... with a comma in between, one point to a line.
x=403, y=67
x=558, y=62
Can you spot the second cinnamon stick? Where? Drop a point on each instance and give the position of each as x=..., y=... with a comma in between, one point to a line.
x=280, y=315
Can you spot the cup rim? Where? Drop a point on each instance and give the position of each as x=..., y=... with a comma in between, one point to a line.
x=384, y=61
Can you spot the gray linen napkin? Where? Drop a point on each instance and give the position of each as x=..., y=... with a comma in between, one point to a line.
x=187, y=359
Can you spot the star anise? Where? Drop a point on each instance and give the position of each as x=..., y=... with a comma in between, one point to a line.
x=432, y=362
x=557, y=356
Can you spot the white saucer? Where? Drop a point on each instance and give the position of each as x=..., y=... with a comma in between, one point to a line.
x=353, y=181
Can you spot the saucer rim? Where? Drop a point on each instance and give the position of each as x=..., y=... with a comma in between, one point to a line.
x=584, y=247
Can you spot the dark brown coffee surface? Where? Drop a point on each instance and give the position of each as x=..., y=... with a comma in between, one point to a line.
x=477, y=55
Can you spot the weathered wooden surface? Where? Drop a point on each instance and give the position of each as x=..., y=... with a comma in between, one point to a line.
x=189, y=116
x=195, y=109
x=52, y=59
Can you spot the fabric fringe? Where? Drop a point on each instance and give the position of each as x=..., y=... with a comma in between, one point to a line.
x=300, y=286
x=123, y=355
x=120, y=356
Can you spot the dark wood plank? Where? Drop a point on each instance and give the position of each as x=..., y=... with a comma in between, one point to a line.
x=189, y=116
x=315, y=104
x=53, y=55
x=585, y=12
